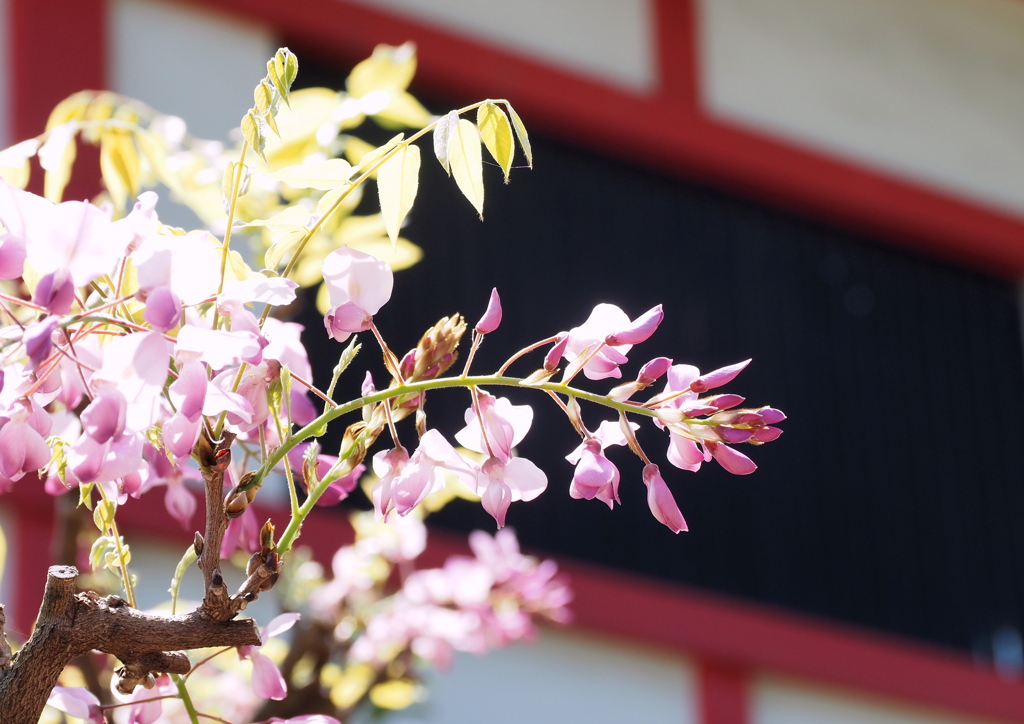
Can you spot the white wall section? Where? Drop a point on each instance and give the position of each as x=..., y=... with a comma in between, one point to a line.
x=780, y=701
x=562, y=677
x=610, y=40
x=187, y=62
x=928, y=89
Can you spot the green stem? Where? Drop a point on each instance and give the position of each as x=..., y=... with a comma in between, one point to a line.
x=316, y=428
x=186, y=699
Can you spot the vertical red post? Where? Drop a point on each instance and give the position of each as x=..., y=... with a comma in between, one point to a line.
x=724, y=694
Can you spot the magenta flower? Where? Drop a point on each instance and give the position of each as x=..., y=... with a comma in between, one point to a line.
x=660, y=500
x=504, y=424
x=600, y=344
x=492, y=316
x=595, y=475
x=267, y=682
x=358, y=285
x=502, y=482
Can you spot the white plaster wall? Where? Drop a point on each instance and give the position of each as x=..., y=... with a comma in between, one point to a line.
x=189, y=62
x=928, y=89
x=781, y=701
x=610, y=40
x=564, y=676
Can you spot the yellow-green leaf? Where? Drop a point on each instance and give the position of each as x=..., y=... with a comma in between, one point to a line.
x=402, y=111
x=281, y=70
x=322, y=175
x=328, y=200
x=397, y=182
x=370, y=156
x=443, y=139
x=496, y=133
x=120, y=166
x=467, y=163
x=56, y=156
x=396, y=694
x=284, y=244
x=14, y=162
x=524, y=138
x=389, y=68
x=253, y=133
x=228, y=183
x=103, y=514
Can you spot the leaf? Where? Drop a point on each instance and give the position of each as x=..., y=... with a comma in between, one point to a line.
x=496, y=133
x=402, y=111
x=228, y=183
x=443, y=139
x=71, y=108
x=467, y=164
x=524, y=138
x=372, y=155
x=396, y=694
x=328, y=200
x=120, y=166
x=98, y=552
x=283, y=246
x=389, y=68
x=14, y=162
x=56, y=156
x=103, y=514
x=253, y=133
x=281, y=70
x=322, y=175
x=397, y=182
x=267, y=102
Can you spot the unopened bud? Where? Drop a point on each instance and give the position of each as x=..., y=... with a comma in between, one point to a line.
x=267, y=535
x=555, y=353
x=717, y=378
x=436, y=350
x=198, y=544
x=492, y=317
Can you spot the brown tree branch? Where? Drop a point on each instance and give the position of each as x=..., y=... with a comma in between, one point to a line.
x=69, y=625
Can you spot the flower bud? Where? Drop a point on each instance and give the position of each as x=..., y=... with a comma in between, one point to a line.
x=639, y=329
x=492, y=317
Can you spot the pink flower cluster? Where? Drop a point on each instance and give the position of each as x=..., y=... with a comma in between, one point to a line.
x=471, y=604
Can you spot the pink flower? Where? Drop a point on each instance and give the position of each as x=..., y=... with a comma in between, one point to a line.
x=267, y=682
x=595, y=475
x=79, y=702
x=502, y=482
x=23, y=448
x=359, y=285
x=600, y=344
x=497, y=428
x=492, y=316
x=660, y=500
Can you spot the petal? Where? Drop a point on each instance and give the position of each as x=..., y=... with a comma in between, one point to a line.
x=735, y=462
x=279, y=624
x=717, y=378
x=661, y=502
x=267, y=682
x=639, y=330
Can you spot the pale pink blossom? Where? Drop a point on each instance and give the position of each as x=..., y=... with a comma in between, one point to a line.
x=78, y=702
x=595, y=475
x=267, y=682
x=495, y=426
x=358, y=285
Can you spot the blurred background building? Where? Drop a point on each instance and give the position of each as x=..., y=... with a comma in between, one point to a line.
x=832, y=187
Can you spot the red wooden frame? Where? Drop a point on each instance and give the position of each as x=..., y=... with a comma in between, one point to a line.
x=59, y=47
